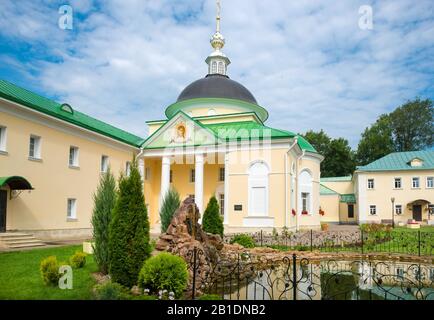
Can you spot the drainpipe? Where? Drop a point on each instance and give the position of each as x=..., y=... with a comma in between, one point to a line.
x=286, y=180
x=297, y=191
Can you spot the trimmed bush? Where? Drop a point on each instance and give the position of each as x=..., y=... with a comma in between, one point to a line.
x=104, y=201
x=164, y=272
x=212, y=222
x=171, y=203
x=129, y=230
x=78, y=260
x=49, y=268
x=110, y=291
x=244, y=239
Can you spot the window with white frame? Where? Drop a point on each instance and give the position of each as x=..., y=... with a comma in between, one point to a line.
x=305, y=202
x=222, y=203
x=222, y=174
x=398, y=183
x=221, y=68
x=214, y=67
x=431, y=209
x=415, y=182
x=35, y=147
x=371, y=184
x=372, y=210
x=258, y=189
x=147, y=173
x=73, y=156
x=71, y=212
x=104, y=163
x=430, y=182
x=2, y=138
x=398, y=209
x=127, y=168
x=192, y=175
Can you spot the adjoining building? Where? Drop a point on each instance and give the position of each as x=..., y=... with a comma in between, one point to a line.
x=397, y=187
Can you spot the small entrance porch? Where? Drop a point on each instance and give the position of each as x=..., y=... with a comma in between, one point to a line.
x=421, y=210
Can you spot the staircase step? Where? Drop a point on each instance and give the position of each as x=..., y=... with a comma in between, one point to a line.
x=16, y=240
x=25, y=245
x=33, y=240
x=14, y=234
x=8, y=239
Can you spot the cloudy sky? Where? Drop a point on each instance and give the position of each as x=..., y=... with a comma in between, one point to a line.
x=308, y=62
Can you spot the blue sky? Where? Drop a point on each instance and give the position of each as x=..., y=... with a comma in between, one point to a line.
x=307, y=62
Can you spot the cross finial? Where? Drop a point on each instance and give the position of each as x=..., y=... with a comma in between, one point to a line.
x=218, y=16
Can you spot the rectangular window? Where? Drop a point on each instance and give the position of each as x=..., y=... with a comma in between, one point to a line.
x=127, y=168
x=370, y=183
x=35, y=147
x=147, y=173
x=104, y=163
x=398, y=183
x=72, y=209
x=416, y=182
x=222, y=203
x=2, y=138
x=431, y=209
x=400, y=273
x=373, y=210
x=171, y=176
x=430, y=182
x=221, y=174
x=73, y=156
x=398, y=209
x=192, y=175
x=305, y=201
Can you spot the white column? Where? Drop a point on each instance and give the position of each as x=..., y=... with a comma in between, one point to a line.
x=226, y=208
x=165, y=177
x=198, y=182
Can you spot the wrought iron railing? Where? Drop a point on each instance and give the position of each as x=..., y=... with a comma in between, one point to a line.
x=297, y=278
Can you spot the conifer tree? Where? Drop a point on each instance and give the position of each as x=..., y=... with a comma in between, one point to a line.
x=104, y=201
x=212, y=221
x=170, y=204
x=129, y=230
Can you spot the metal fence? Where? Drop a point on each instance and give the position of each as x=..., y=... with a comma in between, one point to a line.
x=402, y=242
x=296, y=278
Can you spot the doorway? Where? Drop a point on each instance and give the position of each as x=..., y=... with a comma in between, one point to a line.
x=417, y=212
x=3, y=203
x=350, y=211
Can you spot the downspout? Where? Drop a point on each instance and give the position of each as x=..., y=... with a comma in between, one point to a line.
x=297, y=192
x=286, y=180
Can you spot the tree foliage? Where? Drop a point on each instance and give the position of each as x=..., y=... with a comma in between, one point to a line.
x=104, y=201
x=129, y=230
x=338, y=156
x=170, y=204
x=212, y=222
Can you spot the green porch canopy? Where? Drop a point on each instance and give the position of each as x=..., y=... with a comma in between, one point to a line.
x=15, y=183
x=348, y=198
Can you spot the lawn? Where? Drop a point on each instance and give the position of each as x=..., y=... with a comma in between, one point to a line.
x=20, y=277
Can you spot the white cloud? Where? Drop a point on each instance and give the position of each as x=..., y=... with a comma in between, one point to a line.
x=307, y=62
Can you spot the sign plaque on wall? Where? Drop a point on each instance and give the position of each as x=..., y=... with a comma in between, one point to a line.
x=238, y=207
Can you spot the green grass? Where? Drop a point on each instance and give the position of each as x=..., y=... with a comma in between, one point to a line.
x=20, y=277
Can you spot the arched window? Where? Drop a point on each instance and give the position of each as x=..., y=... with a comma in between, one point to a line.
x=213, y=67
x=305, y=196
x=221, y=68
x=258, y=189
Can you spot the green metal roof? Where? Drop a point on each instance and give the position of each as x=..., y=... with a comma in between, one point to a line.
x=323, y=190
x=348, y=198
x=401, y=161
x=337, y=179
x=305, y=145
x=36, y=102
x=246, y=130
x=15, y=183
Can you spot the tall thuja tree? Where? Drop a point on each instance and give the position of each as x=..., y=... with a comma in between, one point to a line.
x=104, y=201
x=212, y=222
x=170, y=204
x=129, y=230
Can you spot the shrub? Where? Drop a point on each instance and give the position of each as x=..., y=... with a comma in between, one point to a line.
x=170, y=204
x=210, y=297
x=212, y=221
x=129, y=230
x=78, y=260
x=50, y=271
x=110, y=291
x=104, y=201
x=164, y=272
x=244, y=239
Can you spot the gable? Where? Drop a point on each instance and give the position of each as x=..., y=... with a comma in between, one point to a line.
x=180, y=131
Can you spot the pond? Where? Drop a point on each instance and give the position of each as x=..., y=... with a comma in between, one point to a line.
x=327, y=280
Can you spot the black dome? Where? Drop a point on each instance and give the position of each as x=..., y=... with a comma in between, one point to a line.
x=216, y=86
